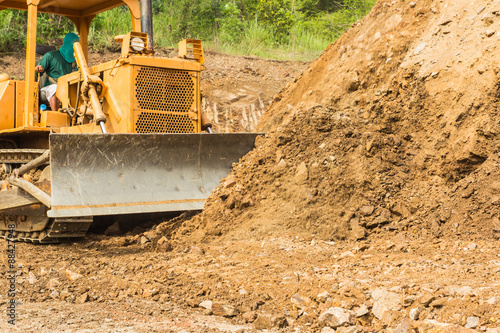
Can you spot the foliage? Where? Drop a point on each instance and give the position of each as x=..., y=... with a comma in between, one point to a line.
x=284, y=29
x=11, y=37
x=230, y=25
x=107, y=25
x=278, y=15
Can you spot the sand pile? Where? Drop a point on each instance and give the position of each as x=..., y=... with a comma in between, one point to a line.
x=394, y=127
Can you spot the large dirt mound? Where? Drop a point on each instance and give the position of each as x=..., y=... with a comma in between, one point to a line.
x=394, y=127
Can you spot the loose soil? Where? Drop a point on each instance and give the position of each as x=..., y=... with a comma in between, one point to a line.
x=370, y=204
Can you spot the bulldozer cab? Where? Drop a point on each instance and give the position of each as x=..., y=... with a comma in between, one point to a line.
x=81, y=13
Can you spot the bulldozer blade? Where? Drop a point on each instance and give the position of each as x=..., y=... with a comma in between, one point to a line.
x=111, y=174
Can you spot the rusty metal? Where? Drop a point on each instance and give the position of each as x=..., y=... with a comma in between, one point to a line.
x=32, y=189
x=41, y=160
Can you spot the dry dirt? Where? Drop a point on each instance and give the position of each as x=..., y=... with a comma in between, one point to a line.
x=371, y=204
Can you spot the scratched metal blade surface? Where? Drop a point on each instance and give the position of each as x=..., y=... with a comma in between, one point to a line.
x=106, y=174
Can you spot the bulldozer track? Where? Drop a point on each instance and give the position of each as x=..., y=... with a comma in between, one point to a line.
x=57, y=230
x=19, y=155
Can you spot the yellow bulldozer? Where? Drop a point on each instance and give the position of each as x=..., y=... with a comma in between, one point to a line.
x=127, y=138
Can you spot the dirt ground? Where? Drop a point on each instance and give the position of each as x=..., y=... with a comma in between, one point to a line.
x=371, y=204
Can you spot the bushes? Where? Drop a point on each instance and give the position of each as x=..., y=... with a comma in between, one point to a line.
x=283, y=29
x=11, y=37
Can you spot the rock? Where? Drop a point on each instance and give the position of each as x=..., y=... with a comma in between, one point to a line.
x=363, y=310
x=350, y=329
x=249, y=316
x=197, y=250
x=191, y=302
x=346, y=254
x=489, y=33
x=335, y=317
x=230, y=181
x=438, y=303
x=323, y=296
x=206, y=305
x=265, y=321
x=408, y=300
x=82, y=298
x=301, y=174
x=300, y=301
x=327, y=330
x=144, y=240
x=462, y=291
x=472, y=322
x=357, y=231
x=420, y=47
x=164, y=245
x=367, y=210
x=282, y=163
x=53, y=283
x=412, y=4
x=426, y=299
x=152, y=235
x=224, y=310
x=400, y=242
x=149, y=292
x=121, y=241
x=384, y=300
x=480, y=10
x=472, y=246
x=54, y=294
x=113, y=230
x=72, y=276
x=424, y=314
x=384, y=217
x=243, y=292
x=404, y=326
x=353, y=83
x=225, y=96
x=31, y=278
x=415, y=312
x=431, y=326
x=64, y=294
x=492, y=300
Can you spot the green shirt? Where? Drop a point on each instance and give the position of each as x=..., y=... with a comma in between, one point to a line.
x=55, y=66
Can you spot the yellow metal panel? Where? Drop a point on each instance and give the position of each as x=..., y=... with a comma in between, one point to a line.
x=163, y=122
x=118, y=98
x=162, y=89
x=165, y=100
x=65, y=93
x=166, y=63
x=29, y=102
x=77, y=8
x=192, y=49
x=87, y=128
x=19, y=103
x=54, y=119
x=7, y=104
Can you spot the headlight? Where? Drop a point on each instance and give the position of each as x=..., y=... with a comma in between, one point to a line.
x=137, y=44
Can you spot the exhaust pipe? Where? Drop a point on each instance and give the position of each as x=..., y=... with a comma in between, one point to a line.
x=147, y=20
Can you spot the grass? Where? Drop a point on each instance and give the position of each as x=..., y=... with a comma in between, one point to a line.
x=257, y=40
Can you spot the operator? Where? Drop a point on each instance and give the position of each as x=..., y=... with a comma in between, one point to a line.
x=57, y=63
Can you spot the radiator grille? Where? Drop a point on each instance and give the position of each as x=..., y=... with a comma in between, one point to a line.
x=162, y=89
x=162, y=122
